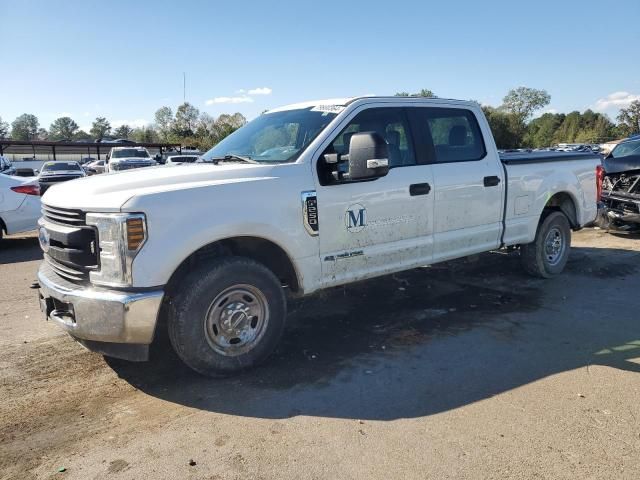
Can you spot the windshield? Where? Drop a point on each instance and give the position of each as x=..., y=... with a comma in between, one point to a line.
x=129, y=152
x=59, y=166
x=273, y=137
x=625, y=149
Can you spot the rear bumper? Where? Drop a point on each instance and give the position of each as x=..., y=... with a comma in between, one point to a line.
x=100, y=318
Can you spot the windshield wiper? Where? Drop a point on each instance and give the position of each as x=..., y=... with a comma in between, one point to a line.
x=232, y=158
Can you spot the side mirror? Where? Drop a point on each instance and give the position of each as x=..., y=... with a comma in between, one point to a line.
x=368, y=156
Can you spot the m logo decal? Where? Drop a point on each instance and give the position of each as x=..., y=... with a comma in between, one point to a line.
x=355, y=218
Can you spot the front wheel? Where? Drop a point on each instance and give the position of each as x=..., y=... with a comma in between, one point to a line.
x=547, y=255
x=229, y=315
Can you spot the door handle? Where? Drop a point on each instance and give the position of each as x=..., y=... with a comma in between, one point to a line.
x=491, y=181
x=419, y=189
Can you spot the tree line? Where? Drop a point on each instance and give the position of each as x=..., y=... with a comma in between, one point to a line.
x=512, y=124
x=187, y=126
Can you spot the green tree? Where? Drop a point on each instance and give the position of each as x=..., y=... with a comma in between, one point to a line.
x=145, y=134
x=185, y=121
x=63, y=128
x=164, y=122
x=629, y=119
x=522, y=103
x=42, y=134
x=501, y=125
x=100, y=128
x=123, y=131
x=4, y=129
x=541, y=131
x=425, y=92
x=81, y=135
x=25, y=127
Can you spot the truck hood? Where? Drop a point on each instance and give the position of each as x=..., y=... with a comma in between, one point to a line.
x=109, y=192
x=622, y=164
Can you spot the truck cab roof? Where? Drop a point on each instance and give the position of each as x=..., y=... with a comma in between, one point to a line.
x=336, y=105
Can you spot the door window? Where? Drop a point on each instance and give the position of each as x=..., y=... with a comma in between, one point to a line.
x=454, y=133
x=390, y=123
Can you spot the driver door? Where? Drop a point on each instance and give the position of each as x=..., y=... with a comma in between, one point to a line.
x=369, y=228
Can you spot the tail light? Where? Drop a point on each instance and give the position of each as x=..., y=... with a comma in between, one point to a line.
x=27, y=189
x=599, y=180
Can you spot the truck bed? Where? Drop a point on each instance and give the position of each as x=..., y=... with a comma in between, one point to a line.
x=514, y=158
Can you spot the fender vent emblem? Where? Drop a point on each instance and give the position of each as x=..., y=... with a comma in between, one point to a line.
x=310, y=212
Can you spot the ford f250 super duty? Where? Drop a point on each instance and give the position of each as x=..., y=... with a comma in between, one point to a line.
x=302, y=198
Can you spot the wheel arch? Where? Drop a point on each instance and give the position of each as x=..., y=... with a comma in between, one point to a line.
x=563, y=202
x=262, y=250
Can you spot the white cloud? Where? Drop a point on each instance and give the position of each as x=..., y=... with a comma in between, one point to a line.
x=260, y=91
x=242, y=90
x=550, y=110
x=241, y=99
x=616, y=100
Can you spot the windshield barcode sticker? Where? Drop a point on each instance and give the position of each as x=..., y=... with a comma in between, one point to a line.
x=328, y=108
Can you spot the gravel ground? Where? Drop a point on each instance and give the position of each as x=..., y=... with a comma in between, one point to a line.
x=469, y=370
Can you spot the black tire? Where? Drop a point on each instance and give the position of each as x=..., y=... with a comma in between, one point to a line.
x=202, y=333
x=539, y=257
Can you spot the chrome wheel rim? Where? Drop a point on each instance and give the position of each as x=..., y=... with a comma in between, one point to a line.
x=554, y=246
x=236, y=320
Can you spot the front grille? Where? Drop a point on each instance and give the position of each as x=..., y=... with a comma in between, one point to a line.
x=59, y=178
x=63, y=216
x=73, y=245
x=67, y=272
x=129, y=166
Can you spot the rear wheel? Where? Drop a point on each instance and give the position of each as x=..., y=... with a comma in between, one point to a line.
x=229, y=315
x=547, y=255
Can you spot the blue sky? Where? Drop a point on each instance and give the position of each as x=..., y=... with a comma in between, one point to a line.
x=124, y=60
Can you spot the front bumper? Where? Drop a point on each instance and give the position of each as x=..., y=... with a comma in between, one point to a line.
x=98, y=317
x=618, y=213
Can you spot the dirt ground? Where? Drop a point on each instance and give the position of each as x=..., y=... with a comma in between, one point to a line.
x=469, y=370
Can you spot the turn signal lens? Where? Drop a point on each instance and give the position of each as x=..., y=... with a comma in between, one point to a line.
x=135, y=233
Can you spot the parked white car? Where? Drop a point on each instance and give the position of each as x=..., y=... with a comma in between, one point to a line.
x=302, y=198
x=95, y=167
x=56, y=172
x=19, y=204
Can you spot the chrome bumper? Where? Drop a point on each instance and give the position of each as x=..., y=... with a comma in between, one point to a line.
x=99, y=315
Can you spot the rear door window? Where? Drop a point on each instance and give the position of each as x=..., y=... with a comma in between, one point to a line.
x=453, y=134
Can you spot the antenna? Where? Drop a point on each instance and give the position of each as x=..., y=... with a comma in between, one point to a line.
x=184, y=87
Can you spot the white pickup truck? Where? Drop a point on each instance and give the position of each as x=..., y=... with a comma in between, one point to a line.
x=126, y=158
x=303, y=198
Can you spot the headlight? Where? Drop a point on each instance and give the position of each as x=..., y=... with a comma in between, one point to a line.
x=120, y=238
